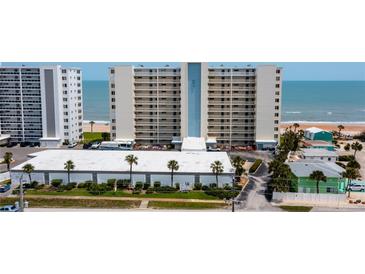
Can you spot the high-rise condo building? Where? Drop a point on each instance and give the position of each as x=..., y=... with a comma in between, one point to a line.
x=235, y=106
x=41, y=104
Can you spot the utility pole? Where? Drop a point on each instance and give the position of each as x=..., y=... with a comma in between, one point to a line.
x=232, y=205
x=21, y=195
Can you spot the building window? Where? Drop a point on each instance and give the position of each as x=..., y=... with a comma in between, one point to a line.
x=277, y=78
x=112, y=85
x=276, y=114
x=278, y=71
x=277, y=85
x=112, y=71
x=113, y=106
x=277, y=100
x=276, y=128
x=276, y=136
x=63, y=71
x=276, y=122
x=276, y=107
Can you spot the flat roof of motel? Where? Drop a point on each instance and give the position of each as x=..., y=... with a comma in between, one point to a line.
x=114, y=161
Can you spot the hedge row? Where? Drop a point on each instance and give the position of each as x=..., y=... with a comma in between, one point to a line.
x=255, y=165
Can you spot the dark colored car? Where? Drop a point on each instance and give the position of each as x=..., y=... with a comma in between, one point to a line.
x=4, y=188
x=87, y=146
x=9, y=208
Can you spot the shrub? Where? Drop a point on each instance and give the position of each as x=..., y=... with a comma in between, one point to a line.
x=213, y=185
x=111, y=182
x=26, y=186
x=165, y=189
x=156, y=184
x=255, y=165
x=177, y=186
x=56, y=182
x=360, y=136
x=227, y=187
x=33, y=184
x=136, y=191
x=138, y=186
x=205, y=187
x=96, y=189
x=146, y=186
x=123, y=184
x=39, y=186
x=70, y=186
x=222, y=194
x=353, y=164
x=149, y=191
x=197, y=186
x=341, y=164
x=346, y=158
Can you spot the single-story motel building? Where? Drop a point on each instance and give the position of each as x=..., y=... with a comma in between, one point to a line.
x=334, y=183
x=99, y=166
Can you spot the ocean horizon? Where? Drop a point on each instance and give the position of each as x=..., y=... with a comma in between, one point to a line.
x=330, y=102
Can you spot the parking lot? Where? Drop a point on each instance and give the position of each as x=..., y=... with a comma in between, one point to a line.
x=19, y=154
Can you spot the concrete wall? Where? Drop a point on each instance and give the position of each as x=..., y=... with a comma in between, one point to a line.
x=165, y=179
x=36, y=176
x=311, y=198
x=210, y=179
x=103, y=177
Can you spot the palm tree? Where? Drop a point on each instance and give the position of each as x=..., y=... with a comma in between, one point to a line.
x=8, y=156
x=131, y=160
x=217, y=168
x=173, y=166
x=350, y=174
x=296, y=125
x=340, y=127
x=318, y=176
x=238, y=165
x=91, y=125
x=69, y=165
x=347, y=147
x=28, y=169
x=356, y=147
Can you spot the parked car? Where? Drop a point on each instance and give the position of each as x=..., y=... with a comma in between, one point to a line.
x=9, y=208
x=72, y=145
x=356, y=187
x=87, y=146
x=4, y=188
x=95, y=145
x=11, y=144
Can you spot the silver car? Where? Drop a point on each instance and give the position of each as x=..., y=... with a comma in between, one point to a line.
x=356, y=187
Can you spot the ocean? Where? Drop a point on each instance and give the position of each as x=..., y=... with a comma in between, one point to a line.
x=302, y=101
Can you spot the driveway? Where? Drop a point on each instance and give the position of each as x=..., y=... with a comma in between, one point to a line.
x=253, y=197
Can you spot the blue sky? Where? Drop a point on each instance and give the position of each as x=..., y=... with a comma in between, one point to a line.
x=292, y=71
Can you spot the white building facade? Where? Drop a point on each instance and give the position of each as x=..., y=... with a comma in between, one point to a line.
x=41, y=104
x=234, y=106
x=194, y=167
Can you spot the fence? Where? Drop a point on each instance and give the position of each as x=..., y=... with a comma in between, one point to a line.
x=4, y=176
x=311, y=198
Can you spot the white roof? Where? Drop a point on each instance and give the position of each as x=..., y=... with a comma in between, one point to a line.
x=4, y=137
x=314, y=129
x=193, y=144
x=148, y=161
x=304, y=168
x=318, y=152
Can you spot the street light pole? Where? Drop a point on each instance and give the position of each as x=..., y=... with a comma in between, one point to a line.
x=232, y=205
x=21, y=195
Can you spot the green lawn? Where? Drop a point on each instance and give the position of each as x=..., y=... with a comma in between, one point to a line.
x=73, y=203
x=296, y=208
x=184, y=205
x=83, y=192
x=90, y=136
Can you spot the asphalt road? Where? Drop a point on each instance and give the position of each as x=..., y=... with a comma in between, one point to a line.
x=253, y=197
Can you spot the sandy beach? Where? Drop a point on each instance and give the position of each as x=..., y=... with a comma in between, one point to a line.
x=350, y=128
x=99, y=126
